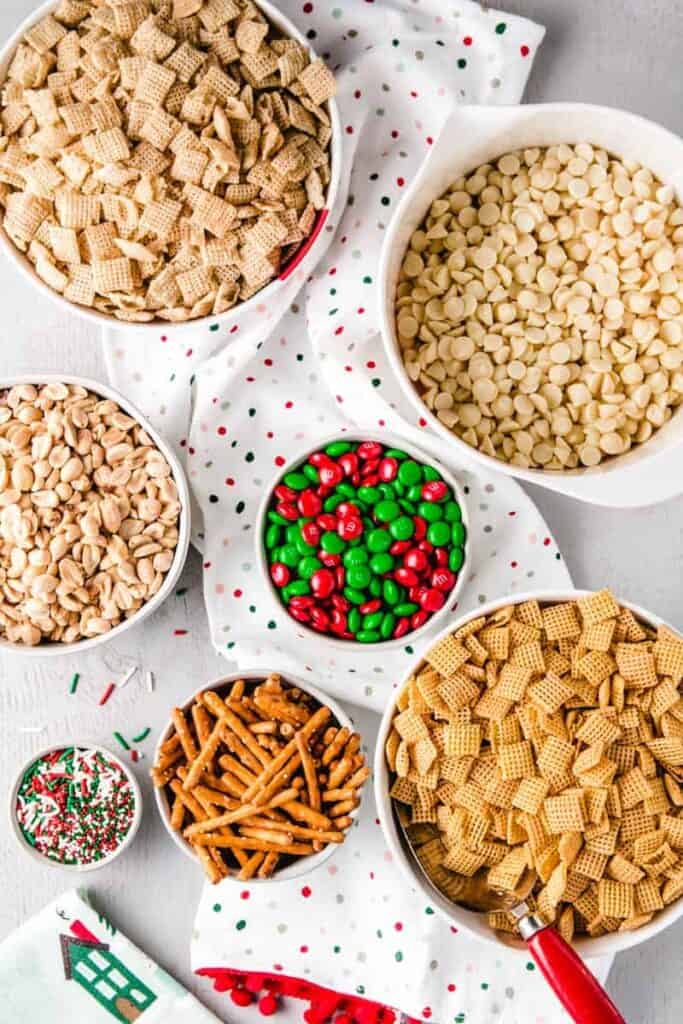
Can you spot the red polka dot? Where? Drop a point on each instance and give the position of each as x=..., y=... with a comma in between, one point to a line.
x=278, y=967
x=234, y=328
x=267, y=362
x=381, y=423
x=451, y=987
x=360, y=310
x=191, y=450
x=339, y=330
x=332, y=271
x=394, y=133
x=207, y=565
x=183, y=443
x=188, y=353
x=546, y=541
x=306, y=891
x=244, y=895
x=398, y=926
x=270, y=435
x=524, y=50
x=250, y=380
x=357, y=94
x=164, y=338
x=371, y=364
x=400, y=182
x=372, y=876
x=307, y=8
x=222, y=431
x=303, y=949
x=289, y=405
x=237, y=593
x=339, y=399
x=349, y=129
x=467, y=41
x=513, y=565
x=413, y=94
x=512, y=513
x=230, y=482
x=426, y=1012
x=349, y=369
x=279, y=460
x=422, y=421
x=454, y=930
x=429, y=140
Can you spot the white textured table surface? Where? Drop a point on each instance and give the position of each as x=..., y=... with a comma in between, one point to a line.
x=620, y=52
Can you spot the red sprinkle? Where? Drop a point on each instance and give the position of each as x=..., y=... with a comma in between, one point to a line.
x=108, y=690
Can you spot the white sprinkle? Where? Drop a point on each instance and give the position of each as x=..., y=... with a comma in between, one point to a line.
x=150, y=682
x=128, y=676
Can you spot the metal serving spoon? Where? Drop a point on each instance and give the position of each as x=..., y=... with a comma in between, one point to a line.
x=579, y=991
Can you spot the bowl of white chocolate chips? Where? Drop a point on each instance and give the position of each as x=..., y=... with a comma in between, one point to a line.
x=532, y=290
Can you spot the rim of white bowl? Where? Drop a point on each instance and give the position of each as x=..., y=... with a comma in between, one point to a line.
x=40, y=857
x=308, y=247
x=390, y=342
x=391, y=440
x=304, y=865
x=51, y=649
x=464, y=920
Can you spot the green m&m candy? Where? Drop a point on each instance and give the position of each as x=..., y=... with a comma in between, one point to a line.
x=409, y=472
x=355, y=556
x=358, y=577
x=337, y=448
x=457, y=534
x=430, y=511
x=387, y=510
x=307, y=566
x=455, y=559
x=297, y=481
x=452, y=512
x=367, y=636
x=379, y=540
x=402, y=528
x=332, y=543
x=381, y=563
x=439, y=533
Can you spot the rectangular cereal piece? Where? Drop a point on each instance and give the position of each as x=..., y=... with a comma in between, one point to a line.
x=564, y=813
x=447, y=656
x=318, y=81
x=530, y=794
x=637, y=665
x=615, y=899
x=597, y=607
x=560, y=621
x=410, y=726
x=513, y=681
x=550, y=693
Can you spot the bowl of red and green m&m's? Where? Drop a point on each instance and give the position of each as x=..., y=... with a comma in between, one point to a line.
x=364, y=541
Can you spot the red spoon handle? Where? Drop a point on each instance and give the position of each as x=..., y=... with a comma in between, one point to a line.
x=582, y=996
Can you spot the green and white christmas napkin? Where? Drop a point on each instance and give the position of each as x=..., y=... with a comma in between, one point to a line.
x=69, y=965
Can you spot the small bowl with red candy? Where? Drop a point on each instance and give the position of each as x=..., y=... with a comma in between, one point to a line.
x=364, y=542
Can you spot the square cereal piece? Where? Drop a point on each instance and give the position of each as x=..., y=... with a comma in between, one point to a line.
x=550, y=693
x=478, y=652
x=496, y=640
x=499, y=792
x=596, y=666
x=447, y=656
x=568, y=847
x=529, y=656
x=648, y=896
x=560, y=621
x=664, y=696
x=633, y=788
x=403, y=791
x=114, y=275
x=637, y=665
x=318, y=81
x=64, y=244
x=598, y=637
x=391, y=747
x=463, y=861
x=564, y=813
x=555, y=757
x=424, y=754
x=473, y=626
x=507, y=874
x=462, y=740
x=602, y=842
x=597, y=607
x=516, y=760
x=647, y=845
x=588, y=759
x=657, y=802
x=597, y=728
x=635, y=822
x=493, y=705
x=513, y=681
x=410, y=726
x=591, y=865
x=669, y=657
x=530, y=795
x=456, y=769
x=668, y=750
x=673, y=830
x=672, y=889
x=530, y=613
x=615, y=899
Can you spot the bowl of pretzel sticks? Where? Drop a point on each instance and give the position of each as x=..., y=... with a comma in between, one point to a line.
x=259, y=776
x=542, y=732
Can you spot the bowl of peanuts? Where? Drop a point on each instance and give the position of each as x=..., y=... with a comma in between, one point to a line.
x=542, y=732
x=259, y=776
x=94, y=515
x=530, y=296
x=165, y=169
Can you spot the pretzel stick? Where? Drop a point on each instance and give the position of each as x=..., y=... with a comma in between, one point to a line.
x=278, y=762
x=283, y=710
x=353, y=746
x=204, y=757
x=162, y=778
x=211, y=824
x=296, y=830
x=309, y=772
x=215, y=797
x=358, y=778
x=177, y=815
x=210, y=812
x=269, y=864
x=237, y=689
x=343, y=807
x=282, y=798
x=262, y=728
x=186, y=738
x=280, y=780
x=242, y=712
x=332, y=796
x=188, y=800
x=231, y=764
x=236, y=725
x=336, y=746
x=338, y=774
x=267, y=835
x=300, y=812
x=344, y=822
x=171, y=744
x=250, y=868
x=243, y=843
x=234, y=743
x=213, y=872
x=202, y=725
x=167, y=760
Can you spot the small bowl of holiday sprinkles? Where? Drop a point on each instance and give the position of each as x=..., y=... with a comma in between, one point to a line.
x=363, y=541
x=75, y=806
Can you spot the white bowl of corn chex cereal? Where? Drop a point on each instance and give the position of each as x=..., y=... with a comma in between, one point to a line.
x=543, y=733
x=530, y=296
x=164, y=163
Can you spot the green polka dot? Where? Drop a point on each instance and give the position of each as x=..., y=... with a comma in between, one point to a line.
x=239, y=507
x=213, y=327
x=385, y=200
x=398, y=956
x=395, y=42
x=360, y=989
x=367, y=280
x=230, y=645
x=299, y=357
x=249, y=457
x=336, y=949
x=272, y=624
x=240, y=925
x=484, y=985
x=376, y=381
x=462, y=63
x=217, y=908
x=530, y=966
x=336, y=12
x=429, y=910
x=500, y=28
x=252, y=412
x=380, y=934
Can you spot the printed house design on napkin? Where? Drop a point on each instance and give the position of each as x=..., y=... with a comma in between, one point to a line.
x=94, y=967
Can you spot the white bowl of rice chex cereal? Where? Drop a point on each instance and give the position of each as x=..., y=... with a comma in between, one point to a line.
x=542, y=733
x=164, y=162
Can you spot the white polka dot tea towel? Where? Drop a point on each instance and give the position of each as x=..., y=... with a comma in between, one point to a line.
x=242, y=399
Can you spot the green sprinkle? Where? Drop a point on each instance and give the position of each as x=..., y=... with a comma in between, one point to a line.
x=74, y=683
x=124, y=743
x=142, y=735
x=240, y=925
